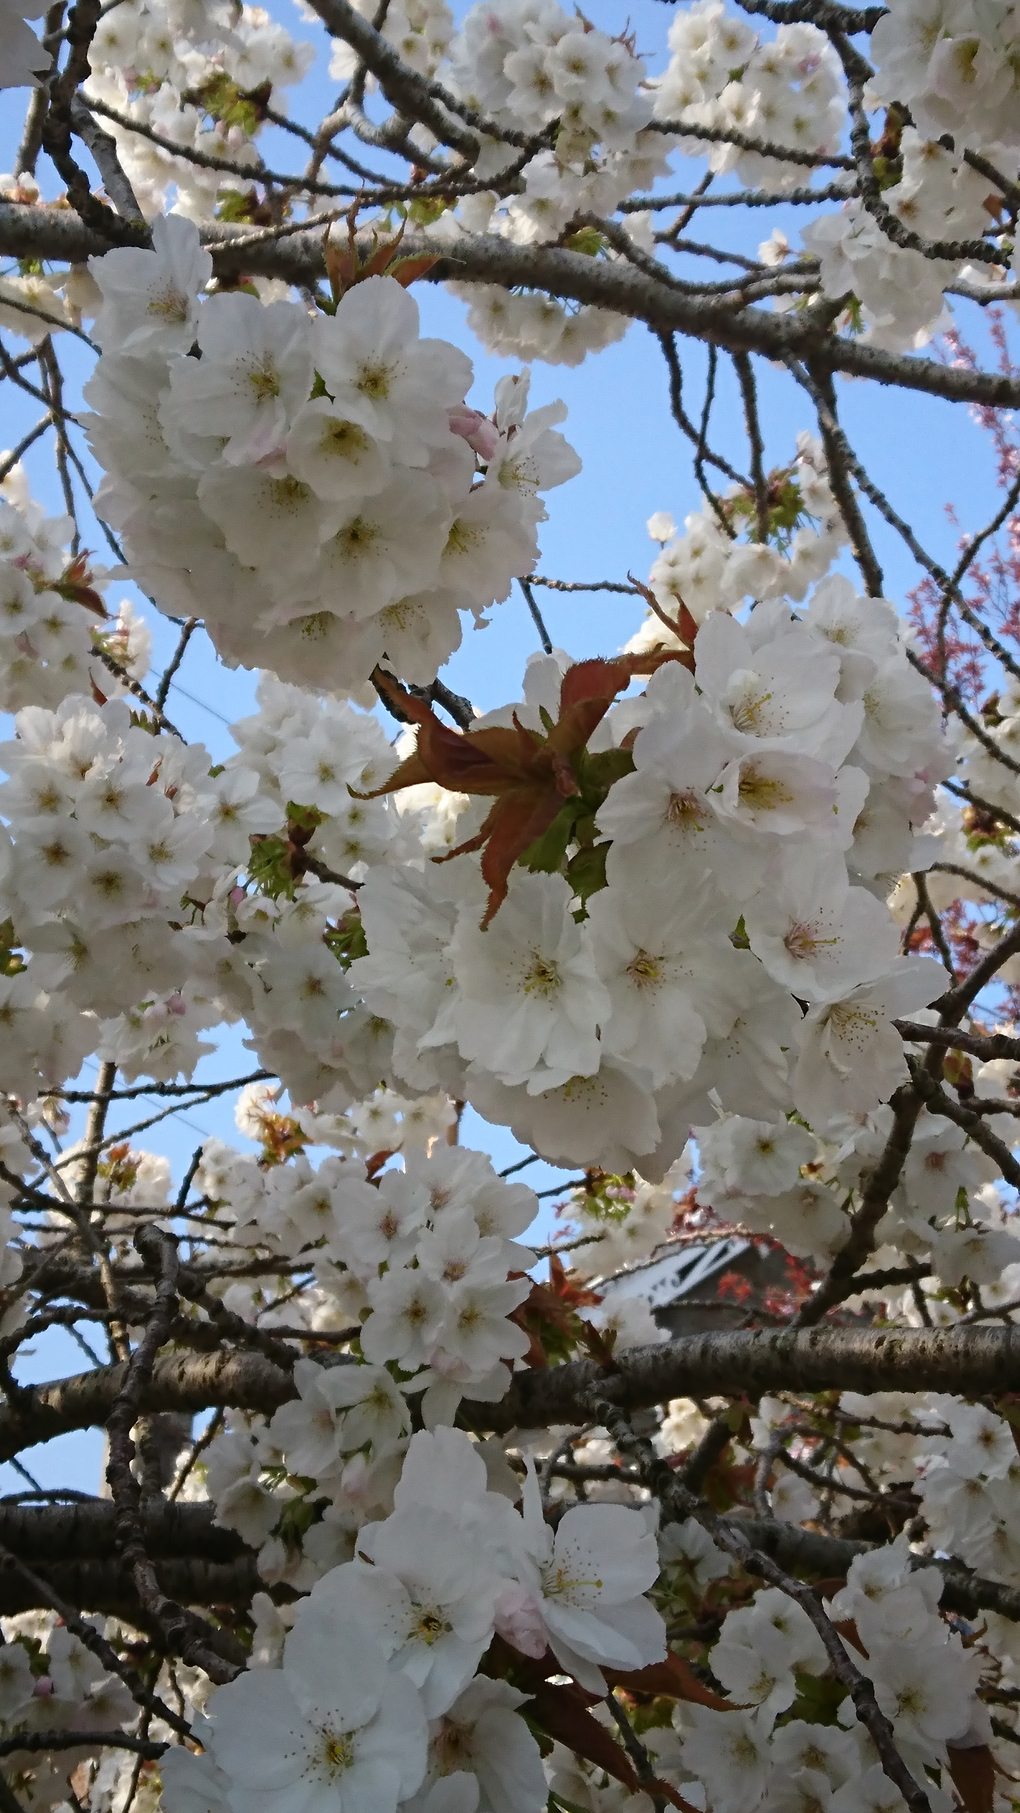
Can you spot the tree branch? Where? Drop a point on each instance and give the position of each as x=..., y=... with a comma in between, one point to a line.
x=611, y=284
x=752, y=1362
x=184, y=1381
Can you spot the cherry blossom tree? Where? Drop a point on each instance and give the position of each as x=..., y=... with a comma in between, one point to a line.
x=402, y=1508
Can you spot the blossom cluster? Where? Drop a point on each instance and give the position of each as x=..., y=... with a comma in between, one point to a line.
x=682, y=918
x=601, y=132
x=954, y=67
x=533, y=65
x=307, y=484
x=722, y=74
x=420, y=1257
x=758, y=813
x=924, y=1679
x=900, y=290
x=525, y=324
x=708, y=568
x=200, y=75
x=111, y=827
x=51, y=621
x=766, y=805
x=50, y=1682
x=372, y=1698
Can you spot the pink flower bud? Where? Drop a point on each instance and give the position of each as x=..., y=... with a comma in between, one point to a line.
x=519, y=1620
x=474, y=428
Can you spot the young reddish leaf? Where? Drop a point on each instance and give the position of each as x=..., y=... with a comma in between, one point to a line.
x=73, y=585
x=527, y=774
x=345, y=265
x=673, y=1677
x=519, y=823
x=973, y=1773
x=408, y=270
x=847, y=1629
x=549, y=1313
x=340, y=262
x=683, y=627
x=562, y=1712
x=376, y=263
x=82, y=594
x=599, y=1344
x=602, y=679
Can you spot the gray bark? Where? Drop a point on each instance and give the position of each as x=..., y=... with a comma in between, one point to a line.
x=970, y=1361
x=662, y=303
x=973, y=1362
x=186, y=1382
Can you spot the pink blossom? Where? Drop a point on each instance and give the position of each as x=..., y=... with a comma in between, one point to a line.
x=519, y=1620
x=474, y=428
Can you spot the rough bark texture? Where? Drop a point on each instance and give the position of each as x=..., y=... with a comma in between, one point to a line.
x=809, y=1552
x=663, y=303
x=971, y=1361
x=73, y=1548
x=974, y=1362
x=179, y=1382
x=85, y=1531
x=106, y=1586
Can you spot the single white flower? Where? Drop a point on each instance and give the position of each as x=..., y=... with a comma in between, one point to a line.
x=333, y=1731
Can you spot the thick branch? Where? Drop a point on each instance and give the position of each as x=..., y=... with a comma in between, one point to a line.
x=816, y=12
x=972, y=1362
x=56, y=234
x=178, y=1382
x=408, y=92
x=106, y=1586
x=85, y=1531
x=182, y=1630
x=809, y=1552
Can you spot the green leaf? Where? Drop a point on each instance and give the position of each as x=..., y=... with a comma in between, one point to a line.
x=855, y=315
x=347, y=938
x=269, y=867
x=306, y=818
x=586, y=872
x=587, y=240
x=11, y=960
x=233, y=206
x=656, y=1714
x=297, y=1517
x=223, y=100
x=586, y=830
x=597, y=773
x=423, y=213
x=819, y=1698
x=548, y=852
